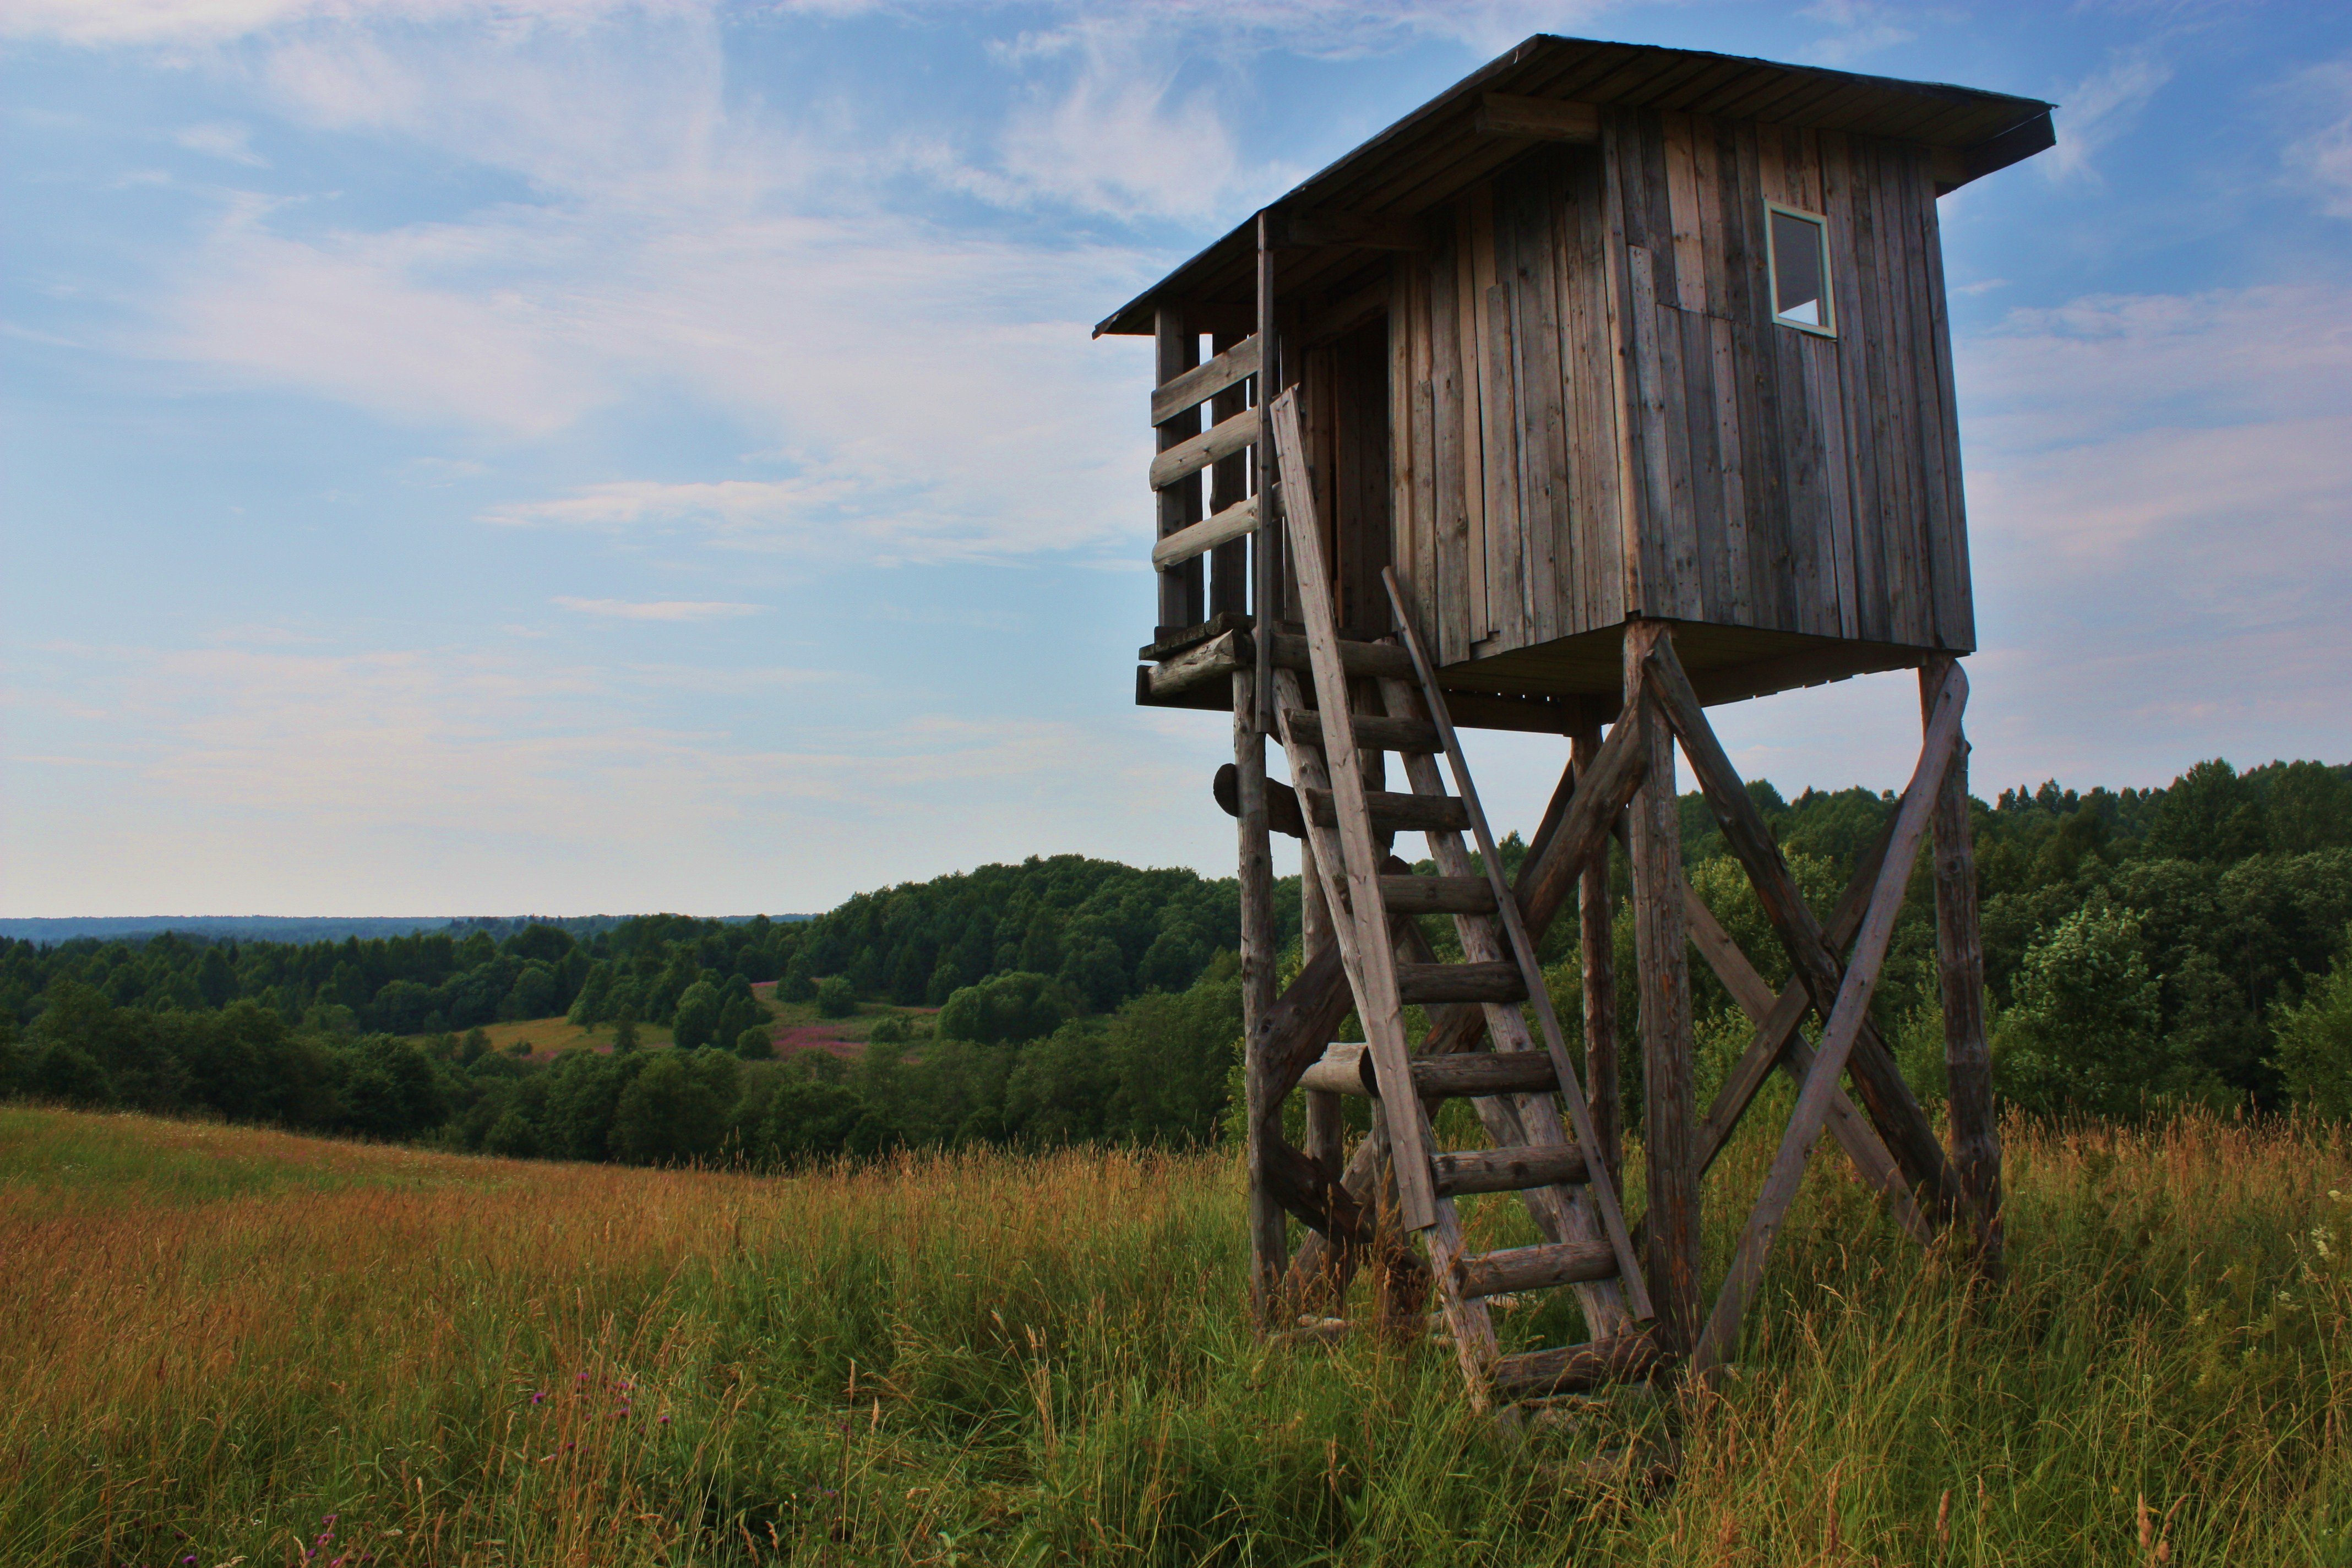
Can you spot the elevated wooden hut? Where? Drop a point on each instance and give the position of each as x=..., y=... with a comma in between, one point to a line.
x=1613, y=382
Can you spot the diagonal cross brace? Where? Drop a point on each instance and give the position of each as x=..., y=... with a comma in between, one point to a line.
x=1777, y=1044
x=1909, y=1136
x=1847, y=1017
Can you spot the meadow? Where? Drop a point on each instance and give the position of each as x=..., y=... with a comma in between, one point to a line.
x=229, y=1346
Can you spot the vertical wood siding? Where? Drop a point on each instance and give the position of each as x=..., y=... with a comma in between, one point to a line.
x=1596, y=415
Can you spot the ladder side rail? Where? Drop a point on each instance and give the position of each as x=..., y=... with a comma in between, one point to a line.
x=1376, y=996
x=1571, y=1090
x=1563, y=1213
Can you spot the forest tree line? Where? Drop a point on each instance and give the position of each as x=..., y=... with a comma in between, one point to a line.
x=2143, y=947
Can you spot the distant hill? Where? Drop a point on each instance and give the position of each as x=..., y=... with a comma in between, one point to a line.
x=299, y=929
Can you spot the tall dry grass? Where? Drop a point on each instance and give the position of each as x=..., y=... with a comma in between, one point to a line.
x=221, y=1343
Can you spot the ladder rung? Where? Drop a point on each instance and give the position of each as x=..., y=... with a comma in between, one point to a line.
x=1538, y=1267
x=1511, y=1170
x=1484, y=1072
x=1392, y=812
x=1372, y=733
x=1290, y=652
x=1347, y=1069
x=1460, y=983
x=1571, y=1369
x=1437, y=895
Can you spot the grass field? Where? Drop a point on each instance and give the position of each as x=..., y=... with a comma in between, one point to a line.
x=227, y=1346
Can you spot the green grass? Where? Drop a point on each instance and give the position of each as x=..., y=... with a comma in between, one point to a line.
x=225, y=1344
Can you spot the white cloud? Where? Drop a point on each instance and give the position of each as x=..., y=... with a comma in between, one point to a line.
x=2104, y=106
x=1863, y=28
x=2322, y=159
x=1119, y=138
x=2108, y=363
x=658, y=609
x=2158, y=488
x=274, y=781
x=170, y=22
x=218, y=139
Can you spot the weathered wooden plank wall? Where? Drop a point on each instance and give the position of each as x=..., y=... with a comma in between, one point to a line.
x=1596, y=415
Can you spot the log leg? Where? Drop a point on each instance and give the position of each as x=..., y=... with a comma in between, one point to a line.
x=1960, y=965
x=1326, y=1120
x=1597, y=952
x=1670, y=1114
x=1268, y=1227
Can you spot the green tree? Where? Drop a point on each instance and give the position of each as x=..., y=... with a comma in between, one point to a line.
x=2315, y=1041
x=2082, y=1033
x=835, y=997
x=669, y=1114
x=695, y=1022
x=1016, y=1006
x=512, y=1136
x=755, y=1043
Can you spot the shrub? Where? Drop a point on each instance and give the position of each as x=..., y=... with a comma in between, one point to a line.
x=755, y=1043
x=2314, y=1042
x=835, y=998
x=2082, y=1036
x=1016, y=1006
x=669, y=1114
x=513, y=1136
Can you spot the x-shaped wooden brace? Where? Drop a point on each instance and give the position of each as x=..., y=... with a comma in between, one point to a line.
x=1840, y=993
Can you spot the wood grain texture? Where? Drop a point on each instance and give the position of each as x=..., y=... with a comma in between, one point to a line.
x=1596, y=946
x=1960, y=971
x=1669, y=1114
x=1847, y=1016
x=1777, y=1044
x=1374, y=971
x=1183, y=599
x=1261, y=1089
x=1893, y=1110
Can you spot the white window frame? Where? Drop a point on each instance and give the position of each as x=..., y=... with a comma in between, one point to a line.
x=1828, y=328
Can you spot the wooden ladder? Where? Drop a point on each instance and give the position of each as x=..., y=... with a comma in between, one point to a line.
x=1522, y=1087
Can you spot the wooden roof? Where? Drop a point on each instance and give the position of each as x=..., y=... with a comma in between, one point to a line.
x=1437, y=150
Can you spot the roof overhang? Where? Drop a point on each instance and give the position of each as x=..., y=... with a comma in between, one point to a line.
x=1453, y=140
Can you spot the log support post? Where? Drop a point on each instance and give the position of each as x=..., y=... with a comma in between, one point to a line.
x=1960, y=965
x=1669, y=1111
x=1262, y=1087
x=1326, y=1120
x=1597, y=953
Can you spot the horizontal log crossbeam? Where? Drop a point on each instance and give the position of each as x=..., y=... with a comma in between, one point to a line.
x=1235, y=522
x=1235, y=434
x=1179, y=395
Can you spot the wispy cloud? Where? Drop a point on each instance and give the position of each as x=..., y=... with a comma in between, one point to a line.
x=2322, y=158
x=2104, y=106
x=658, y=609
x=1859, y=28
x=218, y=139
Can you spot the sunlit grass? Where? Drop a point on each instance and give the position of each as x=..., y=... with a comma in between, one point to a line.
x=220, y=1344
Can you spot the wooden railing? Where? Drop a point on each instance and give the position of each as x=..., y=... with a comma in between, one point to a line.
x=1188, y=530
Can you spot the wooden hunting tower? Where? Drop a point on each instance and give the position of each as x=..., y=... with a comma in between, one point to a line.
x=1611, y=384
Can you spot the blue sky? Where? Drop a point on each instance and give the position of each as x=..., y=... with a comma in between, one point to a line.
x=574, y=456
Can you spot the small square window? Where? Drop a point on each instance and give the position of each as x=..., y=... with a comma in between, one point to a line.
x=1799, y=248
